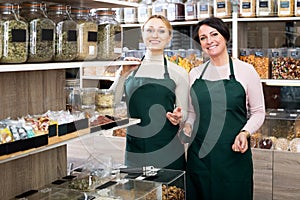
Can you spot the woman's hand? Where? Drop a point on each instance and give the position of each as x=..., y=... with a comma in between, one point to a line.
x=241, y=142
x=127, y=69
x=175, y=117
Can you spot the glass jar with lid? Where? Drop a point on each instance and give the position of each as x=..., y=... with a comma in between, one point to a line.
x=130, y=15
x=247, y=8
x=41, y=32
x=15, y=35
x=66, y=32
x=222, y=8
x=109, y=35
x=204, y=9
x=142, y=12
x=175, y=10
x=190, y=9
x=160, y=7
x=87, y=34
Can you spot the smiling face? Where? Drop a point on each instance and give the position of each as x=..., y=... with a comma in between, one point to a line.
x=156, y=35
x=211, y=41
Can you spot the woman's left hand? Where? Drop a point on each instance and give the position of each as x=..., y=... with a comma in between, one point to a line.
x=240, y=143
x=175, y=117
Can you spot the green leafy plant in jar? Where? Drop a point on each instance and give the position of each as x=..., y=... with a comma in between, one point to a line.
x=109, y=35
x=15, y=35
x=41, y=32
x=66, y=33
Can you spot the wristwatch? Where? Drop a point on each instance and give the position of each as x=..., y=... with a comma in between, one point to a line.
x=247, y=133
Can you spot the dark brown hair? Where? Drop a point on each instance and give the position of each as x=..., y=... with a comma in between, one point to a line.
x=213, y=22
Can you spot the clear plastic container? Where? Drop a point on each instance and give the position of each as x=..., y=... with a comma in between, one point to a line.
x=204, y=9
x=247, y=8
x=190, y=10
x=15, y=35
x=285, y=8
x=160, y=7
x=222, y=8
x=175, y=10
x=142, y=12
x=105, y=98
x=265, y=8
x=87, y=34
x=41, y=32
x=88, y=96
x=109, y=35
x=130, y=15
x=297, y=8
x=66, y=32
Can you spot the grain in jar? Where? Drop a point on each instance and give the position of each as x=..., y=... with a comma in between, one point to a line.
x=104, y=98
x=87, y=34
x=109, y=35
x=143, y=11
x=222, y=8
x=285, y=8
x=176, y=10
x=265, y=8
x=190, y=10
x=297, y=8
x=41, y=32
x=66, y=32
x=15, y=35
x=160, y=7
x=130, y=15
x=88, y=96
x=204, y=9
x=247, y=8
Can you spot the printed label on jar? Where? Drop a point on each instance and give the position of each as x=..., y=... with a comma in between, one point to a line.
x=92, y=36
x=18, y=35
x=72, y=35
x=47, y=35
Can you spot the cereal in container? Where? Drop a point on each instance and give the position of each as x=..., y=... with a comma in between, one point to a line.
x=247, y=8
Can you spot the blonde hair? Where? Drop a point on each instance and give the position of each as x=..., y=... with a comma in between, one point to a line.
x=163, y=19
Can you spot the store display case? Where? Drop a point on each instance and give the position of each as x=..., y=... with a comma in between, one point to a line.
x=173, y=181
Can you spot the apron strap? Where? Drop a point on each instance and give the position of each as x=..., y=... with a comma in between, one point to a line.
x=231, y=76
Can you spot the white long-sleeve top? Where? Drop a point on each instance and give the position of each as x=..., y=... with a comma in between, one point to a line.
x=249, y=79
x=153, y=67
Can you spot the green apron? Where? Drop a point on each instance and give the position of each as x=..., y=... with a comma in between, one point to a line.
x=214, y=170
x=154, y=140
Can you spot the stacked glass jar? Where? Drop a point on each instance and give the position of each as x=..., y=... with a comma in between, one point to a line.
x=109, y=35
x=15, y=35
x=87, y=34
x=66, y=33
x=41, y=32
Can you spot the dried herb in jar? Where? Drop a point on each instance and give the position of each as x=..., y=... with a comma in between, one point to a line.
x=41, y=32
x=15, y=35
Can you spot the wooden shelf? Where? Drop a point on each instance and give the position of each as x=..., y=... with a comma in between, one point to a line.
x=60, y=141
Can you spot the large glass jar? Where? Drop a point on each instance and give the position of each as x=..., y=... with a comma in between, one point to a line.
x=15, y=35
x=222, y=8
x=109, y=35
x=41, y=32
x=142, y=12
x=176, y=10
x=66, y=33
x=87, y=34
x=160, y=7
x=204, y=9
x=190, y=9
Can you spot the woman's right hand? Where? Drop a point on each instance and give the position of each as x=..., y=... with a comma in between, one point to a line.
x=127, y=69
